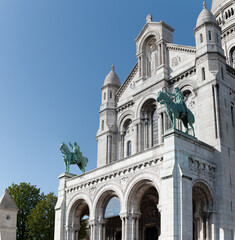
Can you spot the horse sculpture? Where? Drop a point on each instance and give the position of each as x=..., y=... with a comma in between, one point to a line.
x=74, y=157
x=173, y=111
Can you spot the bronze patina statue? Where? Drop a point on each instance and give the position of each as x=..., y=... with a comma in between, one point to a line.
x=177, y=109
x=74, y=157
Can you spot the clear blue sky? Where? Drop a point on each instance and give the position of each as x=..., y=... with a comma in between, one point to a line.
x=54, y=57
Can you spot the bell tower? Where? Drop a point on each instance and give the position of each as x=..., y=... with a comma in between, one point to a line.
x=106, y=135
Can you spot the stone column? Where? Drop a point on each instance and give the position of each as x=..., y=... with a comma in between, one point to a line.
x=101, y=229
x=122, y=135
x=135, y=226
x=125, y=226
x=92, y=229
x=137, y=137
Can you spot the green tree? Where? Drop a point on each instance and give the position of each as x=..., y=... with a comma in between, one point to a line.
x=41, y=220
x=26, y=197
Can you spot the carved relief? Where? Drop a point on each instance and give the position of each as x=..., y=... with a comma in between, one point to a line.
x=175, y=61
x=201, y=169
x=92, y=192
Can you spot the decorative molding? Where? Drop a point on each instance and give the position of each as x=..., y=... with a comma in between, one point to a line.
x=181, y=48
x=125, y=106
x=201, y=168
x=183, y=75
x=117, y=175
x=127, y=82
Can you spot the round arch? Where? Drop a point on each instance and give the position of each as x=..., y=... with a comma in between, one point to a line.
x=75, y=201
x=143, y=101
x=102, y=196
x=140, y=178
x=145, y=39
x=124, y=116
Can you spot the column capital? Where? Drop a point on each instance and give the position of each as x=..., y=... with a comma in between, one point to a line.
x=135, y=215
x=124, y=215
x=102, y=221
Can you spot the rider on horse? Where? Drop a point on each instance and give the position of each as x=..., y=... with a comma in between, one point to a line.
x=179, y=99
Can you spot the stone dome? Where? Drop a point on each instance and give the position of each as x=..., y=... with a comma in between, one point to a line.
x=217, y=4
x=112, y=78
x=205, y=16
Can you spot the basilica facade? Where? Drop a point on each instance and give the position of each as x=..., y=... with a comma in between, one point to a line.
x=153, y=181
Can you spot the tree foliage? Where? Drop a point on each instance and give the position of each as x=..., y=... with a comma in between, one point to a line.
x=40, y=222
x=26, y=197
x=36, y=215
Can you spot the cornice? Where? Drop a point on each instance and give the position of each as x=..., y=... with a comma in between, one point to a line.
x=181, y=48
x=127, y=82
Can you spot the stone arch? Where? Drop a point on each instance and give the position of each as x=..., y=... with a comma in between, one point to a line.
x=146, y=37
x=127, y=114
x=143, y=100
x=150, y=51
x=202, y=206
x=232, y=55
x=75, y=199
x=112, y=226
x=149, y=127
x=105, y=193
x=141, y=199
x=79, y=206
x=147, y=176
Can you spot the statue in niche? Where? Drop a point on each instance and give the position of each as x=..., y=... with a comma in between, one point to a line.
x=152, y=59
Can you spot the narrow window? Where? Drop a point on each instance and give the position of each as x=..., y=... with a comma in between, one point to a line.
x=203, y=74
x=226, y=15
x=105, y=96
x=129, y=148
x=201, y=38
x=210, y=35
x=232, y=116
x=102, y=125
x=229, y=14
x=110, y=94
x=232, y=11
x=222, y=73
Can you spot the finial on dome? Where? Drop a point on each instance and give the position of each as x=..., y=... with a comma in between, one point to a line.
x=112, y=67
x=204, y=5
x=149, y=18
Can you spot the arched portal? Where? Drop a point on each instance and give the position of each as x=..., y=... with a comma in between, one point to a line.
x=149, y=124
x=108, y=216
x=202, y=206
x=78, y=221
x=142, y=204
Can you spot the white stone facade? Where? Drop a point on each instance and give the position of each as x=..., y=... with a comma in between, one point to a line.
x=170, y=185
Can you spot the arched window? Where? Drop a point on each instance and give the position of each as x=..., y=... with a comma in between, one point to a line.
x=203, y=74
x=149, y=126
x=232, y=57
x=226, y=15
x=201, y=38
x=229, y=14
x=232, y=11
x=128, y=147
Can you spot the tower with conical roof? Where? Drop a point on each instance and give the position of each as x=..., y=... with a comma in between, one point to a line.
x=106, y=135
x=8, y=217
